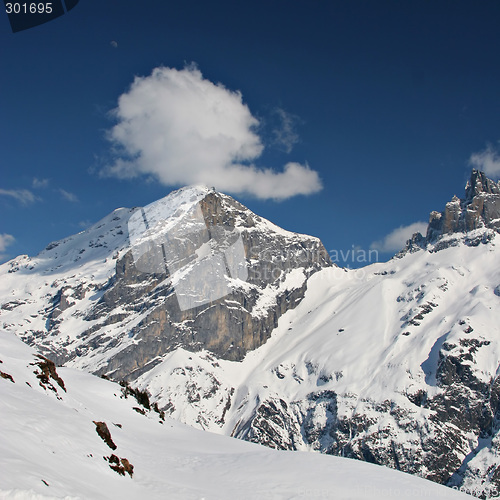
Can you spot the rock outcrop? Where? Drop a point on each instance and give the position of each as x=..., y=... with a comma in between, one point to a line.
x=471, y=219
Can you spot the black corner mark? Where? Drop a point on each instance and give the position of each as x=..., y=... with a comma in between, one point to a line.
x=24, y=15
x=70, y=4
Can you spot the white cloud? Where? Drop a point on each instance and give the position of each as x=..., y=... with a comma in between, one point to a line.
x=488, y=161
x=397, y=239
x=68, y=196
x=181, y=128
x=285, y=136
x=24, y=196
x=5, y=241
x=39, y=183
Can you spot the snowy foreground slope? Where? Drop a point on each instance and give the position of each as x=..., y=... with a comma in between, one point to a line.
x=50, y=449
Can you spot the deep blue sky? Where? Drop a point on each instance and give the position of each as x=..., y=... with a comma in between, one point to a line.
x=389, y=100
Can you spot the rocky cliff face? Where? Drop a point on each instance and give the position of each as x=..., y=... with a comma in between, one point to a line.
x=237, y=319
x=478, y=210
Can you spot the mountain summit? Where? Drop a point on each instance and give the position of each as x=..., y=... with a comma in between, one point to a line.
x=472, y=219
x=480, y=209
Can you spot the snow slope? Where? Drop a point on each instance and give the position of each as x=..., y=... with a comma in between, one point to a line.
x=50, y=450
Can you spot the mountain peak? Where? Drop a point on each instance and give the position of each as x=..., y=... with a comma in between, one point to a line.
x=479, y=183
x=474, y=218
x=479, y=209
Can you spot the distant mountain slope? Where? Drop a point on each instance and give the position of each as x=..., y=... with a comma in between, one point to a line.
x=51, y=449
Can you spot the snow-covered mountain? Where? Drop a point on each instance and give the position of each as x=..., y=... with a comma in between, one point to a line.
x=195, y=269
x=233, y=325
x=66, y=434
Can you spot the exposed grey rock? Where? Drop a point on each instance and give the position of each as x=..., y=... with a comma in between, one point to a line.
x=478, y=210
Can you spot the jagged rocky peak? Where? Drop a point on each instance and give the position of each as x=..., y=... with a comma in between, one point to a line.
x=480, y=184
x=196, y=269
x=478, y=210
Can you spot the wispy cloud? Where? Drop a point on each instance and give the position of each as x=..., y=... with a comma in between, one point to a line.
x=68, y=196
x=181, y=128
x=23, y=196
x=39, y=183
x=397, y=238
x=487, y=160
x=285, y=135
x=84, y=224
x=44, y=183
x=5, y=241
